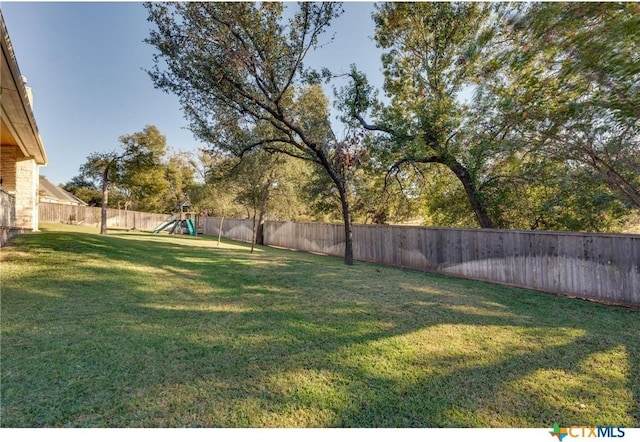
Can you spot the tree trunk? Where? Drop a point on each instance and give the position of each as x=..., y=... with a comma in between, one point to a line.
x=105, y=200
x=348, y=234
x=253, y=231
x=616, y=181
x=263, y=213
x=463, y=176
x=472, y=194
x=220, y=229
x=340, y=184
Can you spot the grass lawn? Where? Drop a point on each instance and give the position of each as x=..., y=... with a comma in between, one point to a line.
x=137, y=330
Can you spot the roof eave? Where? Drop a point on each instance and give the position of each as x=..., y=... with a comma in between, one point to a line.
x=32, y=145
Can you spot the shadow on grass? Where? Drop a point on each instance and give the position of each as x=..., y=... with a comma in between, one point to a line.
x=136, y=330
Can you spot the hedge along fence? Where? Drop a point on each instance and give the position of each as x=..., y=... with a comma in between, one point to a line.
x=116, y=218
x=598, y=266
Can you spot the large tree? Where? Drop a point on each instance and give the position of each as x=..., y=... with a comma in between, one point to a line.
x=432, y=53
x=517, y=101
x=566, y=118
x=134, y=167
x=237, y=66
x=573, y=76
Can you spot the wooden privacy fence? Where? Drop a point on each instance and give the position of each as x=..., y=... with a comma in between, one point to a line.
x=116, y=218
x=239, y=229
x=599, y=266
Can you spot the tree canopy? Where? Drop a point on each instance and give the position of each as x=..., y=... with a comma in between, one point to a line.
x=507, y=115
x=237, y=69
x=133, y=168
x=515, y=101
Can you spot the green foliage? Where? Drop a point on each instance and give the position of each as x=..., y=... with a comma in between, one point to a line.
x=570, y=102
x=84, y=189
x=550, y=137
x=211, y=195
x=140, y=171
x=179, y=173
x=241, y=73
x=432, y=52
x=237, y=69
x=502, y=115
x=134, y=173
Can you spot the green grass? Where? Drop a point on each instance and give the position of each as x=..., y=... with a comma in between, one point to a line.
x=136, y=330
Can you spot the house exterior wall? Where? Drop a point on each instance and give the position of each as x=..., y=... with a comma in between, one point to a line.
x=27, y=175
x=20, y=178
x=21, y=148
x=8, y=155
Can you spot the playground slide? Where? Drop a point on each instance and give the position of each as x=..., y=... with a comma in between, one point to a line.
x=177, y=225
x=190, y=227
x=164, y=225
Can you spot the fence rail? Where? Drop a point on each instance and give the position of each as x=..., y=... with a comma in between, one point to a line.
x=598, y=266
x=116, y=218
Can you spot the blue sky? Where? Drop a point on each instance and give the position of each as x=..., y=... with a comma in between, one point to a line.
x=85, y=64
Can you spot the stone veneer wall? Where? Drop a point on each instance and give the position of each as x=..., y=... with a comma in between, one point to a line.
x=27, y=175
x=8, y=168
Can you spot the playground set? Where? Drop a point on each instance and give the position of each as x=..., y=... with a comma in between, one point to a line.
x=182, y=222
